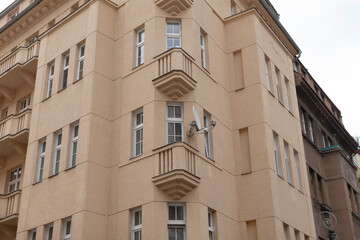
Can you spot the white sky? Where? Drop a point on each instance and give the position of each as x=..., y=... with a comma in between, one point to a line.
x=328, y=33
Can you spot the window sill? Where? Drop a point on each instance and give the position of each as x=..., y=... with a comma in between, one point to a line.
x=37, y=182
x=271, y=93
x=53, y=175
x=140, y=65
x=204, y=68
x=280, y=176
x=77, y=80
x=61, y=90
x=46, y=99
x=69, y=168
x=134, y=157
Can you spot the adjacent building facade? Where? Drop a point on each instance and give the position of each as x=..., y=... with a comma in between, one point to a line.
x=330, y=153
x=97, y=100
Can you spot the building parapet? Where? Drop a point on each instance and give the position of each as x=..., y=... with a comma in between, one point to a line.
x=9, y=207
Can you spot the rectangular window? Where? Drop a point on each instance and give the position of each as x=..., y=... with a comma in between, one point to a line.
x=136, y=224
x=211, y=225
x=41, y=159
x=173, y=34
x=74, y=143
x=233, y=8
x=4, y=113
x=140, y=46
x=174, y=122
x=14, y=180
x=67, y=228
x=267, y=71
x=207, y=134
x=288, y=163
x=203, y=50
x=32, y=234
x=50, y=80
x=65, y=71
x=49, y=231
x=303, y=122
x=80, y=68
x=138, y=132
x=311, y=131
x=323, y=138
x=320, y=189
x=286, y=231
x=24, y=104
x=176, y=221
x=57, y=151
x=312, y=182
x=278, y=87
x=287, y=94
x=277, y=155
x=298, y=170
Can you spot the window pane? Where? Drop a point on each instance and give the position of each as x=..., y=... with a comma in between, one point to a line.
x=171, y=139
x=76, y=131
x=180, y=234
x=169, y=43
x=176, y=42
x=172, y=213
x=176, y=28
x=178, y=111
x=171, y=110
x=169, y=28
x=172, y=234
x=180, y=213
x=171, y=127
x=68, y=227
x=138, y=218
x=137, y=235
x=178, y=128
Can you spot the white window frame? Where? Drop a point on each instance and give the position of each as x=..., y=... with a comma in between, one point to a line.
x=140, y=46
x=41, y=160
x=57, y=152
x=323, y=138
x=32, y=234
x=65, y=72
x=50, y=80
x=288, y=163
x=80, y=68
x=49, y=231
x=74, y=148
x=277, y=73
x=303, y=122
x=298, y=170
x=138, y=128
x=24, y=104
x=136, y=228
x=211, y=225
x=203, y=50
x=311, y=130
x=173, y=35
x=277, y=155
x=207, y=134
x=177, y=223
x=287, y=93
x=233, y=8
x=267, y=72
x=16, y=181
x=174, y=120
x=66, y=236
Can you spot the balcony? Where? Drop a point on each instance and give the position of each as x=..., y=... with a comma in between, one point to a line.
x=177, y=170
x=14, y=133
x=18, y=67
x=175, y=69
x=9, y=208
x=174, y=7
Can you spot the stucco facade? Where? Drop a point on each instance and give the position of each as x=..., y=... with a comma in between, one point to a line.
x=99, y=97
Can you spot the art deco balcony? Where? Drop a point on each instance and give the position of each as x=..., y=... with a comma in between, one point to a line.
x=17, y=67
x=177, y=170
x=14, y=133
x=175, y=73
x=174, y=7
x=9, y=209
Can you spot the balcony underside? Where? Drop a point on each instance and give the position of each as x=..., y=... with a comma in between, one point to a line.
x=175, y=84
x=174, y=7
x=176, y=183
x=17, y=143
x=19, y=75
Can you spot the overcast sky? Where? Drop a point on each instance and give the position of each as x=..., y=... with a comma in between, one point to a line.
x=328, y=33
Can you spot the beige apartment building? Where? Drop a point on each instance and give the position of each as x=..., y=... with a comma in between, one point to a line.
x=97, y=133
